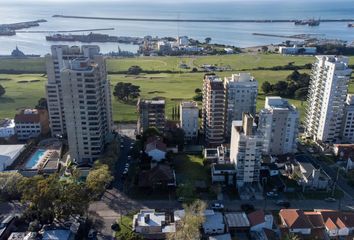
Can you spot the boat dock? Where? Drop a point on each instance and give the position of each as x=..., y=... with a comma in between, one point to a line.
x=199, y=20
x=297, y=36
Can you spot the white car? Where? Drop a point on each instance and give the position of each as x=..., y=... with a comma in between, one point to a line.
x=127, y=165
x=217, y=206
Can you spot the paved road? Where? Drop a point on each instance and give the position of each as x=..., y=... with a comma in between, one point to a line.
x=341, y=183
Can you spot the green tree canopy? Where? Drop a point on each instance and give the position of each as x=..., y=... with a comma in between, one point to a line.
x=2, y=91
x=97, y=180
x=126, y=91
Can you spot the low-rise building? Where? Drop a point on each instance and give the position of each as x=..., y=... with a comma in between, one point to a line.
x=156, y=149
x=189, y=118
x=338, y=224
x=153, y=225
x=213, y=223
x=7, y=128
x=297, y=50
x=223, y=173
x=225, y=236
x=345, y=153
x=237, y=222
x=259, y=221
x=161, y=176
x=9, y=154
x=31, y=123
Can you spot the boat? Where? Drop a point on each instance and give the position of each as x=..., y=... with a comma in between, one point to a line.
x=309, y=22
x=351, y=25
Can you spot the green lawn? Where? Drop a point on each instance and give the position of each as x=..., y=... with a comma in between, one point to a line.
x=125, y=224
x=190, y=168
x=173, y=87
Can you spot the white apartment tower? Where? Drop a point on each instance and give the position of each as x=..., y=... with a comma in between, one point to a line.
x=278, y=123
x=348, y=120
x=246, y=150
x=326, y=99
x=189, y=116
x=213, y=111
x=55, y=62
x=241, y=96
x=79, y=99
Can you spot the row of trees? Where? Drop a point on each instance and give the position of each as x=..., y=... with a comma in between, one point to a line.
x=295, y=86
x=54, y=197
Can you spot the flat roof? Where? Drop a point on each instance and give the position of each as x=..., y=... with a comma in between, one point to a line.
x=58, y=234
x=237, y=220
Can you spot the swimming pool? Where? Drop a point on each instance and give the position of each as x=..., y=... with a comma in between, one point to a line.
x=36, y=156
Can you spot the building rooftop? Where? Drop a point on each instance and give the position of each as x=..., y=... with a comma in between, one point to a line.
x=8, y=153
x=241, y=77
x=7, y=123
x=237, y=220
x=256, y=217
x=189, y=104
x=57, y=234
x=226, y=236
x=151, y=218
x=220, y=167
x=28, y=115
x=214, y=220
x=279, y=103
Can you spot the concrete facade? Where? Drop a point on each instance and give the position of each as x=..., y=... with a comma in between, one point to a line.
x=241, y=96
x=86, y=101
x=151, y=114
x=326, y=99
x=246, y=150
x=348, y=120
x=278, y=122
x=189, y=117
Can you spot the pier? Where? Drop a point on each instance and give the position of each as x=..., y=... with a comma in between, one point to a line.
x=199, y=20
x=297, y=36
x=69, y=31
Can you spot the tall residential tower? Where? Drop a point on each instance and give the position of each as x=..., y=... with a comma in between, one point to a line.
x=326, y=99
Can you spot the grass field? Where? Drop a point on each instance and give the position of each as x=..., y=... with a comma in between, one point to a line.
x=190, y=168
x=174, y=87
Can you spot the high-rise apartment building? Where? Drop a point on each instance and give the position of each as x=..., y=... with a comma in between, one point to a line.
x=241, y=96
x=151, y=114
x=278, y=123
x=189, y=117
x=348, y=120
x=79, y=99
x=326, y=98
x=59, y=59
x=213, y=111
x=246, y=150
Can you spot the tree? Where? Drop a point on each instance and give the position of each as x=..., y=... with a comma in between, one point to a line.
x=42, y=104
x=291, y=236
x=266, y=87
x=97, y=180
x=126, y=91
x=301, y=93
x=10, y=185
x=280, y=88
x=2, y=91
x=197, y=90
x=264, y=49
x=135, y=70
x=150, y=132
x=207, y=40
x=294, y=76
x=188, y=227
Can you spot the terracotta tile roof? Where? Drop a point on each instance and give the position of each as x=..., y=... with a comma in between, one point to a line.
x=330, y=225
x=256, y=217
x=340, y=219
x=295, y=218
x=27, y=118
x=315, y=219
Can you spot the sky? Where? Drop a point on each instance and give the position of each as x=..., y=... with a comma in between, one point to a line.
x=167, y=1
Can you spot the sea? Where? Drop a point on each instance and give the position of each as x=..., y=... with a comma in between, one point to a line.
x=236, y=34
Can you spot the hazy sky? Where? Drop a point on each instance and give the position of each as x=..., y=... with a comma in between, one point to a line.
x=167, y=1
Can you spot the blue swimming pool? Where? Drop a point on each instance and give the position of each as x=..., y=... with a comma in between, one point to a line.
x=36, y=156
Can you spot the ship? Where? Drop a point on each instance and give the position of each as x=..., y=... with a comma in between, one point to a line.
x=89, y=38
x=309, y=22
x=351, y=25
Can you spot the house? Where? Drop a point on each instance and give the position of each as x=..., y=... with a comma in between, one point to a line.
x=160, y=176
x=259, y=221
x=30, y=123
x=223, y=173
x=213, y=223
x=156, y=149
x=7, y=128
x=237, y=222
x=58, y=234
x=338, y=224
x=23, y=236
x=297, y=50
x=345, y=152
x=220, y=154
x=295, y=221
x=308, y=176
x=152, y=224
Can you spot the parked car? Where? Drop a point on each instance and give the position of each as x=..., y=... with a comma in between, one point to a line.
x=180, y=199
x=272, y=194
x=217, y=206
x=330, y=199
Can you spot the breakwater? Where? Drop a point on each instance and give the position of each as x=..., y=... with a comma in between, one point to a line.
x=199, y=20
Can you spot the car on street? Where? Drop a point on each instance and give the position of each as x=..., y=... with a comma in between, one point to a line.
x=127, y=165
x=330, y=199
x=272, y=194
x=217, y=206
x=121, y=146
